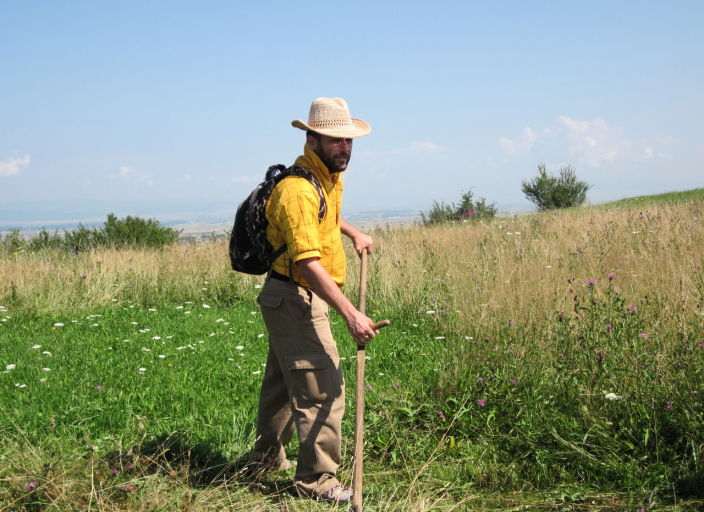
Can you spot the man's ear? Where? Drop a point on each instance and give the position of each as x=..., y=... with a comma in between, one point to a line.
x=312, y=141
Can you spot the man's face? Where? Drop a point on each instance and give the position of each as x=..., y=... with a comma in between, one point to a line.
x=334, y=152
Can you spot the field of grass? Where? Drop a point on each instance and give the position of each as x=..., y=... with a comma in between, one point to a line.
x=544, y=362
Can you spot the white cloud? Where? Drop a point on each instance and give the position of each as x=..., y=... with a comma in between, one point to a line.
x=585, y=143
x=595, y=142
x=13, y=165
x=131, y=174
x=424, y=146
x=524, y=142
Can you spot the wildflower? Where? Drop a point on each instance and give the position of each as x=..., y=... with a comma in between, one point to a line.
x=114, y=472
x=205, y=306
x=395, y=385
x=668, y=405
x=31, y=486
x=36, y=346
x=513, y=382
x=239, y=347
x=258, y=372
x=591, y=282
x=480, y=380
x=510, y=322
x=141, y=370
x=129, y=488
x=46, y=369
x=481, y=402
x=98, y=388
x=162, y=356
x=10, y=367
x=644, y=335
x=611, y=277
x=58, y=324
x=368, y=388
x=156, y=338
x=632, y=309
x=441, y=415
x=609, y=326
x=612, y=396
x=430, y=312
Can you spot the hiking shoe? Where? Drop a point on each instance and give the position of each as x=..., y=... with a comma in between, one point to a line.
x=338, y=494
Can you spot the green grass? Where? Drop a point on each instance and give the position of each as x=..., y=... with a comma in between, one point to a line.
x=192, y=411
x=592, y=403
x=669, y=197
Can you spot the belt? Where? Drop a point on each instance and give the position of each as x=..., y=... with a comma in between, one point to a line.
x=273, y=274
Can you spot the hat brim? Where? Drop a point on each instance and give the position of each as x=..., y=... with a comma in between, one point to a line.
x=359, y=128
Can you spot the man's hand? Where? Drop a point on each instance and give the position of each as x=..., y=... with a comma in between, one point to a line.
x=360, y=240
x=358, y=324
x=360, y=327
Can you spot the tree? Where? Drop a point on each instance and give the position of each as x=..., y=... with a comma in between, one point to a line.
x=551, y=192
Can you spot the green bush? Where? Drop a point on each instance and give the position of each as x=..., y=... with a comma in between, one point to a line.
x=467, y=210
x=115, y=233
x=551, y=192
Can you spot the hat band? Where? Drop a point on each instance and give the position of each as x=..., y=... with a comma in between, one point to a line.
x=330, y=123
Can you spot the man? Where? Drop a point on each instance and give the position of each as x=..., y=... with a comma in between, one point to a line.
x=303, y=388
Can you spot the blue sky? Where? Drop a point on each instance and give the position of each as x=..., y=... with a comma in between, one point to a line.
x=156, y=108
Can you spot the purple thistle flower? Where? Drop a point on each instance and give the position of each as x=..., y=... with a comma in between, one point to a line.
x=591, y=282
x=31, y=486
x=441, y=415
x=114, y=472
x=480, y=380
x=510, y=321
x=513, y=382
x=611, y=277
x=632, y=308
x=98, y=388
x=481, y=402
x=609, y=326
x=644, y=335
x=668, y=405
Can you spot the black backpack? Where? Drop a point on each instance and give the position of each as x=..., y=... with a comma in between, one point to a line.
x=250, y=251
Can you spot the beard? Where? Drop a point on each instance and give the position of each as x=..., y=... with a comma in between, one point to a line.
x=336, y=162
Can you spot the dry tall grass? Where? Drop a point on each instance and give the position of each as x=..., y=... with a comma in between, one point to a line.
x=516, y=268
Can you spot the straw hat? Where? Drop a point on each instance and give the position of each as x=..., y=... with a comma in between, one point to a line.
x=331, y=117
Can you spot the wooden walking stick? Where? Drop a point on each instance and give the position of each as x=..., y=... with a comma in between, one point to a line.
x=359, y=412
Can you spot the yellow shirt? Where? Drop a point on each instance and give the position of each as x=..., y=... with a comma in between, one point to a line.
x=292, y=212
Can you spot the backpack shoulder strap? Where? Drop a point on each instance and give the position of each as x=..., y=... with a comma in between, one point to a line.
x=301, y=172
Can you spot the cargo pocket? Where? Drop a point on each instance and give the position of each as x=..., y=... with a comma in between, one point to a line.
x=269, y=301
x=314, y=378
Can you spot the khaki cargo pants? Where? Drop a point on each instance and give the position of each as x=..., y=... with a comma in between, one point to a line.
x=302, y=387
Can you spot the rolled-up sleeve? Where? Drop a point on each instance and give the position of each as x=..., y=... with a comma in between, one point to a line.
x=294, y=205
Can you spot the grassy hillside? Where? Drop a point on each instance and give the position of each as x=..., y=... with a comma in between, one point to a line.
x=545, y=362
x=696, y=194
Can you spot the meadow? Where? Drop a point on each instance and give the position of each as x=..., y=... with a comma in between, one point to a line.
x=552, y=361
